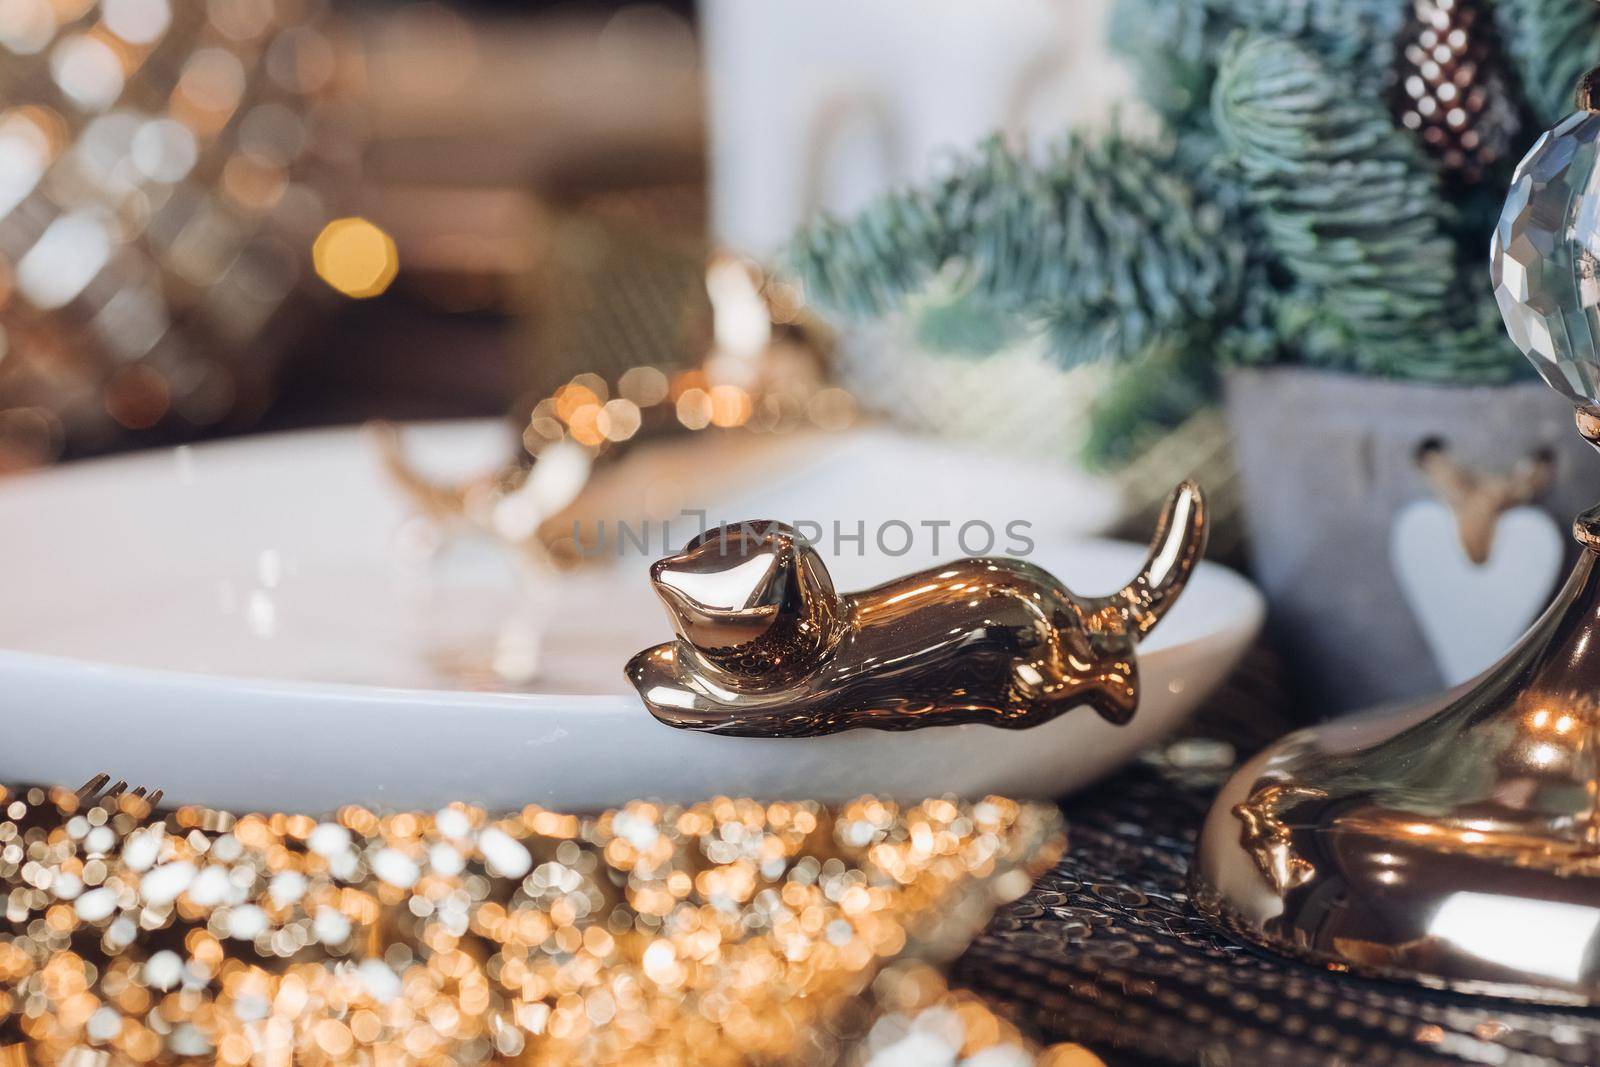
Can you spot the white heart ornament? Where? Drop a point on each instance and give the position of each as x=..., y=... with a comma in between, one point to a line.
x=1471, y=614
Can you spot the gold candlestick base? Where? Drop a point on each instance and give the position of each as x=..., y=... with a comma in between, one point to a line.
x=1455, y=842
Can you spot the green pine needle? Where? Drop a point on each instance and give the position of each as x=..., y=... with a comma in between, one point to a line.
x=1552, y=43
x=1103, y=242
x=1172, y=48
x=1352, y=210
x=1345, y=33
x=1284, y=217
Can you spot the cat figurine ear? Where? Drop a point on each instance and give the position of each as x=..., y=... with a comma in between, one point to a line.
x=766, y=647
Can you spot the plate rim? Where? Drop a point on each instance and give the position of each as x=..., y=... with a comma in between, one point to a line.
x=1245, y=616
x=1252, y=610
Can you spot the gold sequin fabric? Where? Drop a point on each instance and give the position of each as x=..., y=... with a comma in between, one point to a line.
x=1106, y=951
x=724, y=932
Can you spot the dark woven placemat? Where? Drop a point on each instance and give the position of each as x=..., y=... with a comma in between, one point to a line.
x=1106, y=951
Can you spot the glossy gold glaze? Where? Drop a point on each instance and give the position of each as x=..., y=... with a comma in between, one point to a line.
x=767, y=648
x=1264, y=836
x=1455, y=842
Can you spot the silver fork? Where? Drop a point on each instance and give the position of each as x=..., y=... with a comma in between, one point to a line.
x=101, y=787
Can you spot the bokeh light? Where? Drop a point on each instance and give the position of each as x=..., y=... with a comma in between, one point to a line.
x=723, y=932
x=355, y=257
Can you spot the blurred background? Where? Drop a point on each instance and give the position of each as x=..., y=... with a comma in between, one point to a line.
x=1121, y=240
x=258, y=214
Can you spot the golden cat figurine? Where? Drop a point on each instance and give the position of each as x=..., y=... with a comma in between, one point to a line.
x=767, y=648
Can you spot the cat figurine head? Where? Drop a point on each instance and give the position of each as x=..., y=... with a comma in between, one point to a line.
x=752, y=602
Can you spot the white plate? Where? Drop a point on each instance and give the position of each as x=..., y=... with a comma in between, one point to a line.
x=232, y=623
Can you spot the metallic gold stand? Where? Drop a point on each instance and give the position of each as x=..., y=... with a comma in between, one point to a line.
x=1456, y=842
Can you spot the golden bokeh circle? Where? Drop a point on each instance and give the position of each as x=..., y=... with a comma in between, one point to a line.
x=355, y=257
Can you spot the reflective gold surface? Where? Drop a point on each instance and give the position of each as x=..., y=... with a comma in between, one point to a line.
x=767, y=648
x=1456, y=841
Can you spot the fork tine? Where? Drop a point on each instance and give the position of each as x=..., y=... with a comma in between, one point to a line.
x=93, y=786
x=101, y=788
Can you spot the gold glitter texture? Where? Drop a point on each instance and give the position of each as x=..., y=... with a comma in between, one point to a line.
x=722, y=932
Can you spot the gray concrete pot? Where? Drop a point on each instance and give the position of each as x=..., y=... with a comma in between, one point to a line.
x=1326, y=461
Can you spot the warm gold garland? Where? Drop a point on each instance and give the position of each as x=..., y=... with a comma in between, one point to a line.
x=720, y=932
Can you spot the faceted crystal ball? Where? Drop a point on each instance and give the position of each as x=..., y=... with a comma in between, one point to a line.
x=1545, y=258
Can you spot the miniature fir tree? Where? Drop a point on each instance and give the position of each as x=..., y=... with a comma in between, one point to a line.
x=1306, y=202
